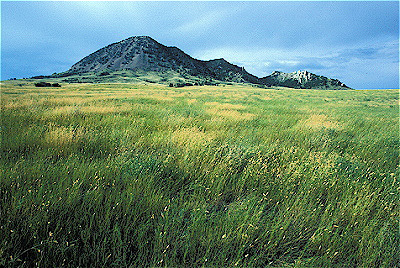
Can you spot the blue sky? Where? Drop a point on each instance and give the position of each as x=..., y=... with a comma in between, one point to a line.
x=355, y=42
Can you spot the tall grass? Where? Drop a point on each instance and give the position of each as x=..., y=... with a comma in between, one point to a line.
x=133, y=175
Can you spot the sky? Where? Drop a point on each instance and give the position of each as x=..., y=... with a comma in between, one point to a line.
x=355, y=42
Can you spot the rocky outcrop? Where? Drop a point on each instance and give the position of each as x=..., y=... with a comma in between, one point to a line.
x=302, y=79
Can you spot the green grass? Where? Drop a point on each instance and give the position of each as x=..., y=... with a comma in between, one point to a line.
x=138, y=77
x=119, y=175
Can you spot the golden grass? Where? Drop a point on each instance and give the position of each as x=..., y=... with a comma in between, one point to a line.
x=62, y=110
x=8, y=103
x=62, y=137
x=190, y=137
x=319, y=121
x=191, y=101
x=228, y=111
x=231, y=114
x=90, y=109
x=225, y=106
x=70, y=100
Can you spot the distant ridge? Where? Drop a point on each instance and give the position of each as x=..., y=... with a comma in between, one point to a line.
x=144, y=54
x=302, y=79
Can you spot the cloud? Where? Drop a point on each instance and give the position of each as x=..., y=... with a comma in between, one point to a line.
x=205, y=21
x=289, y=62
x=380, y=49
x=201, y=24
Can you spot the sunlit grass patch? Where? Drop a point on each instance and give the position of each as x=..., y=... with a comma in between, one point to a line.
x=228, y=110
x=225, y=106
x=63, y=137
x=266, y=98
x=187, y=137
x=230, y=114
x=88, y=107
x=319, y=121
x=62, y=110
x=191, y=101
x=65, y=100
x=13, y=104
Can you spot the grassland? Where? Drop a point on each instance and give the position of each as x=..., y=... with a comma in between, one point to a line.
x=119, y=175
x=138, y=77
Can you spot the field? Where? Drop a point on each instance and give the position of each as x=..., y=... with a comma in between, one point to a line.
x=125, y=175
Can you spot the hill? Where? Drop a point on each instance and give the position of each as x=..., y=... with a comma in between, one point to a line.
x=302, y=79
x=143, y=53
x=141, y=58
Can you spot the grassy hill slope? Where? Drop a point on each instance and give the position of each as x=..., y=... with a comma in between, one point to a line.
x=214, y=176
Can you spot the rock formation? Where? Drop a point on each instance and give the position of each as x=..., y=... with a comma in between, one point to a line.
x=302, y=79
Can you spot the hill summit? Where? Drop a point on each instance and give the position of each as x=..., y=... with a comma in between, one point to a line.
x=142, y=56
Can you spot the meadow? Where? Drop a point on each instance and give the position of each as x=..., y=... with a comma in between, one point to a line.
x=129, y=175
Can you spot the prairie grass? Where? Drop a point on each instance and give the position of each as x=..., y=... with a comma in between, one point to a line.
x=319, y=121
x=130, y=175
